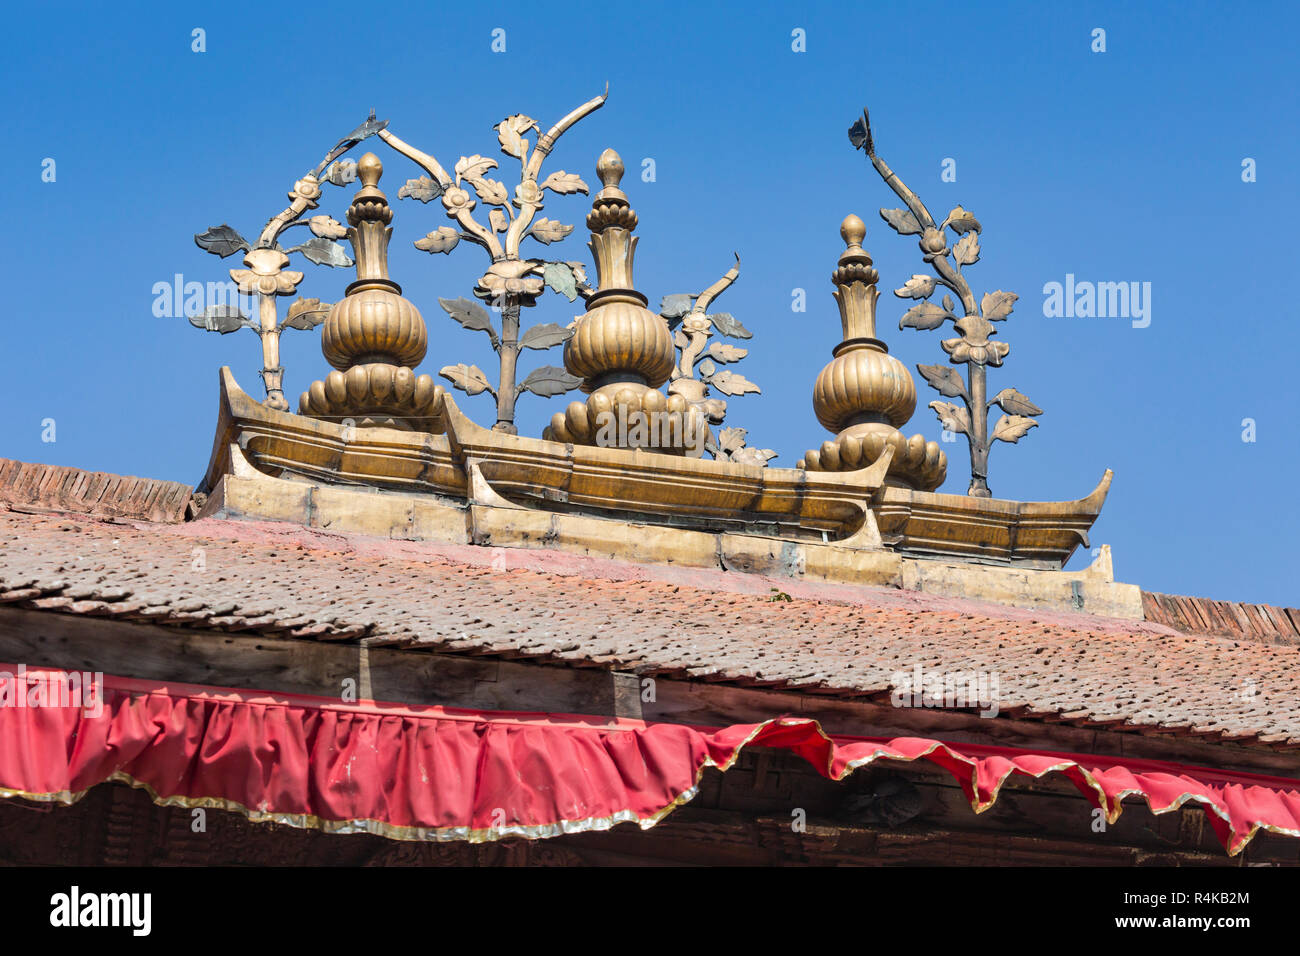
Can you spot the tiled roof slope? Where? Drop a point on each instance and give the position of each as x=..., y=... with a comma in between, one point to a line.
x=713, y=625
x=25, y=486
x=1249, y=622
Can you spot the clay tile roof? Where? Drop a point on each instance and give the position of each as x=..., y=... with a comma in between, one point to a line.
x=269, y=578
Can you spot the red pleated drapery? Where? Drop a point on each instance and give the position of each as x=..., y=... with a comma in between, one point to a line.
x=436, y=773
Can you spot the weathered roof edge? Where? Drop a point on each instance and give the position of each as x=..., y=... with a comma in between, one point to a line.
x=1262, y=623
x=26, y=486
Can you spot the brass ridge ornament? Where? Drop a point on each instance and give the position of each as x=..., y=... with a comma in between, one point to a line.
x=660, y=479
x=698, y=359
x=865, y=395
x=373, y=336
x=621, y=350
x=648, y=440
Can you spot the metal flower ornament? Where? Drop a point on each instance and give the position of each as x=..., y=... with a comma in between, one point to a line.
x=974, y=345
x=698, y=359
x=266, y=275
x=512, y=281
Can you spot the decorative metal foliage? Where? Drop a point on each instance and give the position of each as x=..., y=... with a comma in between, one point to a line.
x=545, y=381
x=221, y=241
x=266, y=275
x=974, y=345
x=511, y=281
x=698, y=360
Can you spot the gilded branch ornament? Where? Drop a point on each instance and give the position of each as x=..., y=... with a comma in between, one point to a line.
x=511, y=281
x=265, y=274
x=974, y=346
x=698, y=359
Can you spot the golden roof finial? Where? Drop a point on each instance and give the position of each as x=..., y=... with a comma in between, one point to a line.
x=865, y=394
x=853, y=230
x=372, y=336
x=369, y=216
x=620, y=349
x=612, y=221
x=610, y=169
x=856, y=291
x=369, y=169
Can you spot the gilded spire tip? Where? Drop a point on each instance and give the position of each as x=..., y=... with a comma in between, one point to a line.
x=853, y=230
x=610, y=169
x=369, y=169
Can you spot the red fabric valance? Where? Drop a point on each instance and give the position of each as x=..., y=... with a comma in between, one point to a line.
x=436, y=773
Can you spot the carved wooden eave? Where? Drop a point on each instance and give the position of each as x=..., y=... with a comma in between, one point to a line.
x=462, y=483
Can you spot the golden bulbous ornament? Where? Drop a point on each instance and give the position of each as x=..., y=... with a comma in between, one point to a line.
x=864, y=394
x=621, y=337
x=374, y=325
x=863, y=381
x=373, y=336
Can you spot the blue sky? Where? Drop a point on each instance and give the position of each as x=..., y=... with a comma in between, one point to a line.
x=1117, y=166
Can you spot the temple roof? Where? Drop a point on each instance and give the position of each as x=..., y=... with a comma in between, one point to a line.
x=562, y=609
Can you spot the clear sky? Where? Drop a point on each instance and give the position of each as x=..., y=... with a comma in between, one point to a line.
x=1116, y=166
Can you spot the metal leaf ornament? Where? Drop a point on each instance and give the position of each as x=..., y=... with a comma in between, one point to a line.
x=549, y=380
x=698, y=358
x=266, y=275
x=220, y=318
x=975, y=345
x=221, y=241
x=545, y=336
x=305, y=314
x=548, y=231
x=472, y=316
x=341, y=173
x=560, y=277
x=564, y=183
x=731, y=446
x=468, y=378
x=443, y=239
x=512, y=281
x=323, y=252
x=423, y=189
